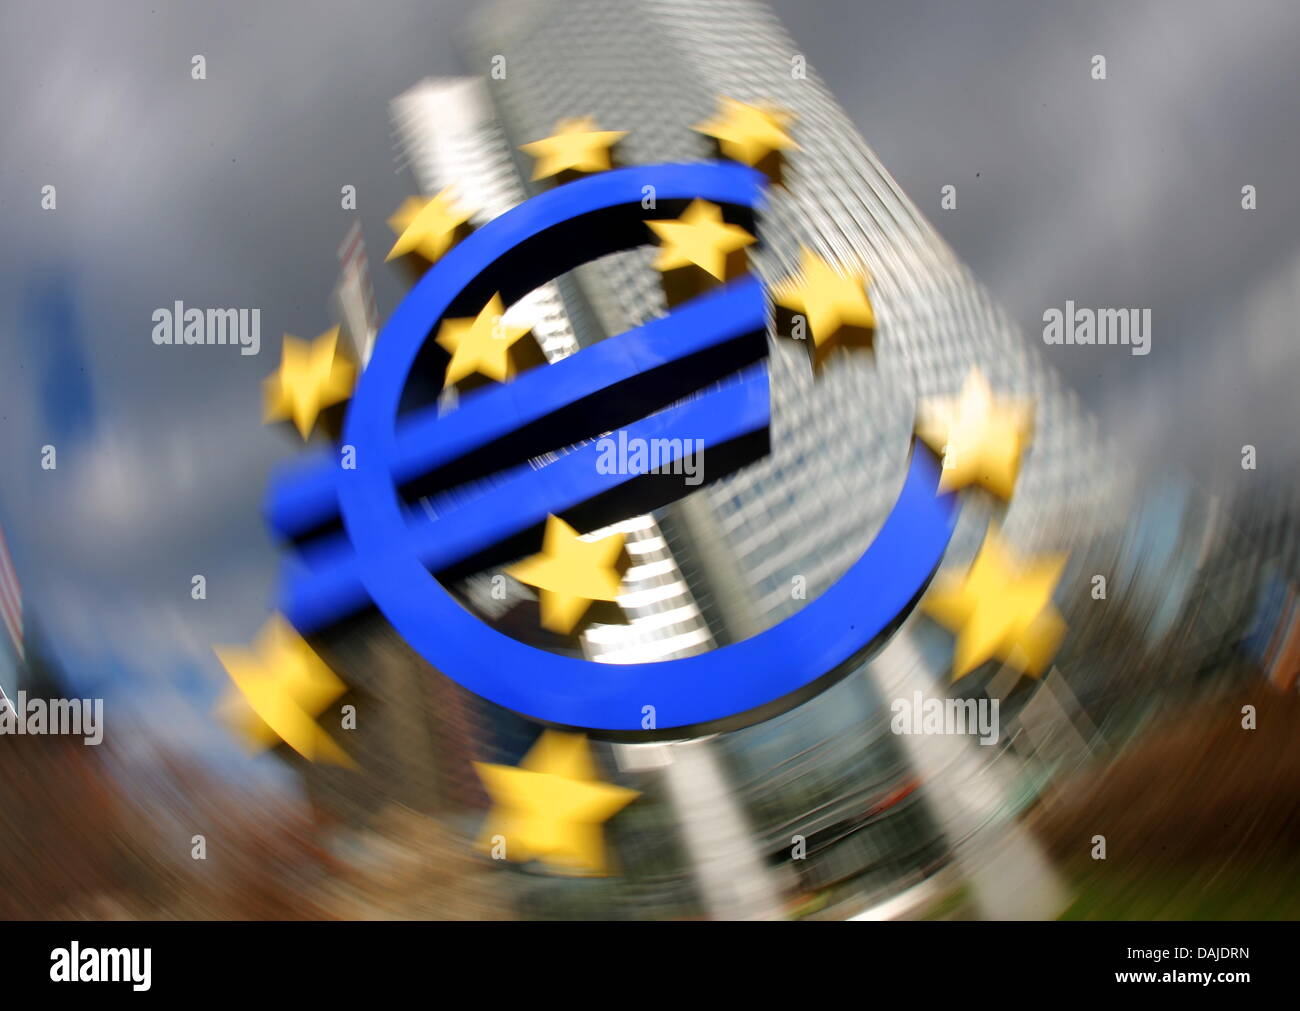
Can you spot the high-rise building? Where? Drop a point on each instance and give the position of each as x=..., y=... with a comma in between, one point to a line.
x=822, y=800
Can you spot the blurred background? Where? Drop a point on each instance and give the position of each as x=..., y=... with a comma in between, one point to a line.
x=1125, y=191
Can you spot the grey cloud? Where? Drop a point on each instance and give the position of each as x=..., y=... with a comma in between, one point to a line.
x=225, y=192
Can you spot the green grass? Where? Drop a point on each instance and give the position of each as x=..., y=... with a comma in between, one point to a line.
x=1193, y=893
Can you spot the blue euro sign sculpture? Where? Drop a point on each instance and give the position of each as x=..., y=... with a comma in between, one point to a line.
x=439, y=496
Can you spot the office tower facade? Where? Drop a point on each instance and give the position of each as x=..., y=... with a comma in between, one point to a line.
x=828, y=773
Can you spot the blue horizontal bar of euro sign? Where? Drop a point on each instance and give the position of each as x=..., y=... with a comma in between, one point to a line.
x=304, y=495
x=327, y=585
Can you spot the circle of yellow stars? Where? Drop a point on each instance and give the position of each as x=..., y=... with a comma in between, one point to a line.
x=552, y=806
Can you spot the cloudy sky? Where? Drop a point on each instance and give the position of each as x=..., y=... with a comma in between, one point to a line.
x=224, y=192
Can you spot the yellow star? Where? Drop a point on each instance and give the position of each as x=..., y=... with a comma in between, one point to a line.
x=576, y=148
x=486, y=348
x=980, y=438
x=312, y=376
x=825, y=307
x=551, y=808
x=1000, y=607
x=282, y=687
x=751, y=134
x=428, y=227
x=698, y=251
x=570, y=574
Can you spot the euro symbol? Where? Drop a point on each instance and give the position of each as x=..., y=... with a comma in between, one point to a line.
x=433, y=497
